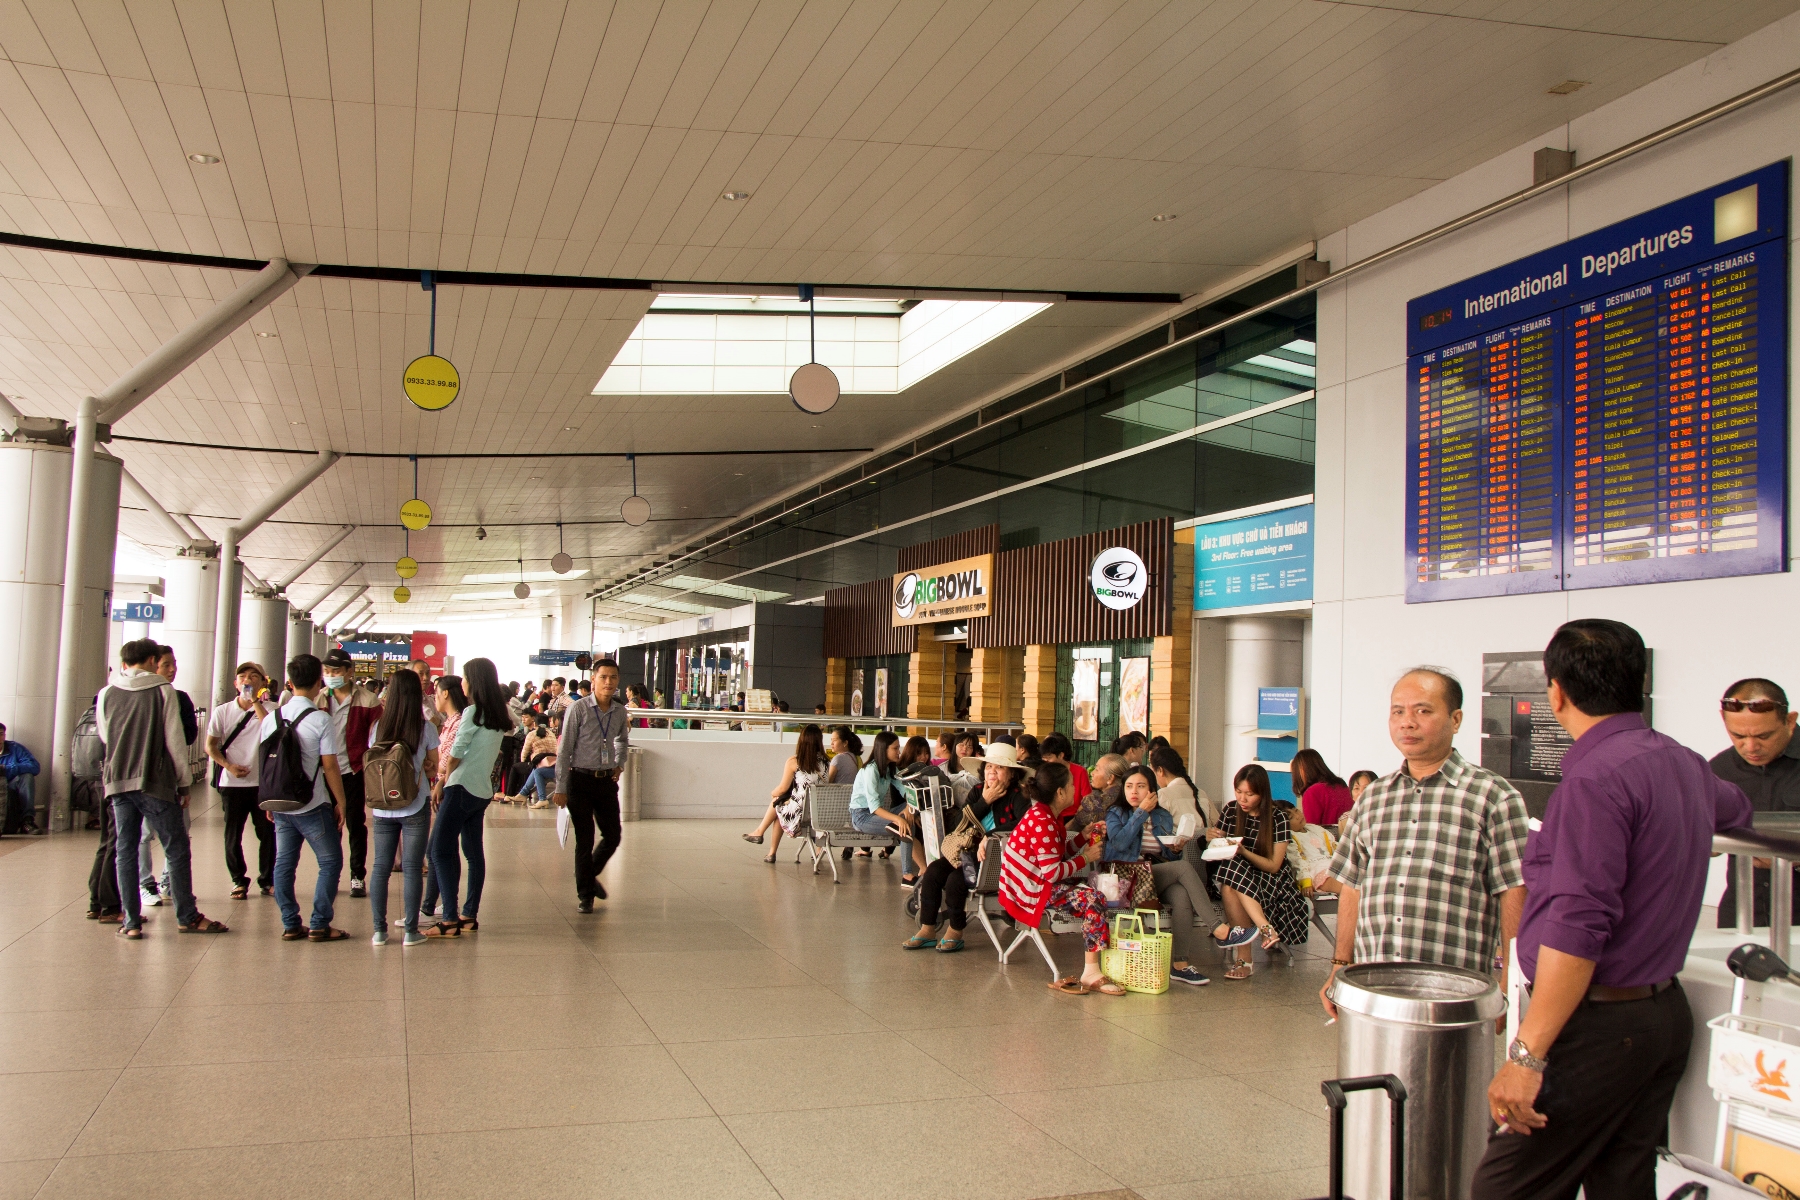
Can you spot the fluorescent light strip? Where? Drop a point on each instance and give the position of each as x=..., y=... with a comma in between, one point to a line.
x=1089, y=465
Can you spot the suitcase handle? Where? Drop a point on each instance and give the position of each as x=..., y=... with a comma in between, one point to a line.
x=1337, y=1096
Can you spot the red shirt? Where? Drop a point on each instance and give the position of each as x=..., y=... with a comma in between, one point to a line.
x=1323, y=803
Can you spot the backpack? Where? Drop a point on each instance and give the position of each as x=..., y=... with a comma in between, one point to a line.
x=388, y=777
x=282, y=782
x=86, y=752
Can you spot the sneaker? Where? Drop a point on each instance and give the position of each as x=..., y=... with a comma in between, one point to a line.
x=1188, y=975
x=358, y=888
x=400, y=922
x=584, y=906
x=414, y=939
x=150, y=898
x=1238, y=936
x=380, y=938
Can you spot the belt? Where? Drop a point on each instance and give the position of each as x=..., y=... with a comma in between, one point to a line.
x=594, y=772
x=1601, y=994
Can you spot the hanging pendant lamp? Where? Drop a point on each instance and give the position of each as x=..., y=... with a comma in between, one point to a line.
x=636, y=510
x=813, y=387
x=560, y=562
x=523, y=590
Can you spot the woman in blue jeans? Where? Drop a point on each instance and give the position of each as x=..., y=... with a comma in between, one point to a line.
x=461, y=797
x=403, y=721
x=878, y=806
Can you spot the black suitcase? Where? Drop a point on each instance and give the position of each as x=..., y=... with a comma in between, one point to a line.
x=1336, y=1095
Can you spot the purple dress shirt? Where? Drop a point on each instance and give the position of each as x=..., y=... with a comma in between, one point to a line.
x=1616, y=873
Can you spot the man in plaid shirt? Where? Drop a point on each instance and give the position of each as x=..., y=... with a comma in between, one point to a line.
x=1431, y=863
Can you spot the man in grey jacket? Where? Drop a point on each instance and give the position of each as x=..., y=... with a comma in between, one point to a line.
x=145, y=774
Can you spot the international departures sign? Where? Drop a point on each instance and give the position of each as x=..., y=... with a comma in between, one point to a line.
x=953, y=591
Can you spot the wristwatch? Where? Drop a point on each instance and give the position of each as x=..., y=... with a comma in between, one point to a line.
x=1519, y=1054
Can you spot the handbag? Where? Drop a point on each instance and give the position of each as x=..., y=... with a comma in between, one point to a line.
x=1140, y=890
x=963, y=839
x=1134, y=958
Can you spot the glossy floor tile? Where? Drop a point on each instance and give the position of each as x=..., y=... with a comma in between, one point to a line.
x=719, y=1027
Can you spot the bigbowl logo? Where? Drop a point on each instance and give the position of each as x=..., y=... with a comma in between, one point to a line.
x=906, y=595
x=1119, y=578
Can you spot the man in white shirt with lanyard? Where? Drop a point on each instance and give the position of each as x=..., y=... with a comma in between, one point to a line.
x=232, y=738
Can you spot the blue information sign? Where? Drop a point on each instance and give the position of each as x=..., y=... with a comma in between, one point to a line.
x=138, y=612
x=1261, y=559
x=1610, y=411
x=555, y=658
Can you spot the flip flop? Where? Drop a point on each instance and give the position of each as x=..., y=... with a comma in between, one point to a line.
x=132, y=933
x=202, y=924
x=1108, y=987
x=950, y=945
x=1069, y=986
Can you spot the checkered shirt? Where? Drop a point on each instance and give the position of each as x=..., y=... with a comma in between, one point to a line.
x=1429, y=861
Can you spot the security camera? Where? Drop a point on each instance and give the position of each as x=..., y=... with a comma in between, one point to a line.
x=480, y=533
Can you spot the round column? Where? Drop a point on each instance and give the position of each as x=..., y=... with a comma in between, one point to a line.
x=299, y=637
x=34, y=493
x=1259, y=652
x=321, y=642
x=263, y=631
x=190, y=599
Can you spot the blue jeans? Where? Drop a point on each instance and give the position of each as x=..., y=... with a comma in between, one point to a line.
x=459, y=819
x=318, y=828
x=409, y=833
x=864, y=820
x=132, y=813
x=21, y=794
x=541, y=782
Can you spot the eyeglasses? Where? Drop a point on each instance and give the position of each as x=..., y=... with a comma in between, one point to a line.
x=1756, y=706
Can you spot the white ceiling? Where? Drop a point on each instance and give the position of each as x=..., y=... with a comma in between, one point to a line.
x=900, y=143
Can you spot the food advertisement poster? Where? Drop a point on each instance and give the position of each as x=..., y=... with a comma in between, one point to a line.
x=1084, y=700
x=1134, y=695
x=856, y=692
x=881, y=678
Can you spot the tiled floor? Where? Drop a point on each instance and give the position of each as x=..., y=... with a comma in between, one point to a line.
x=721, y=1028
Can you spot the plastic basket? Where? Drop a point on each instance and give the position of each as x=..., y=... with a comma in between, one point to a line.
x=1137, y=959
x=1755, y=1061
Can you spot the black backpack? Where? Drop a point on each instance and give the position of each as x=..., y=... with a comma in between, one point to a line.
x=282, y=782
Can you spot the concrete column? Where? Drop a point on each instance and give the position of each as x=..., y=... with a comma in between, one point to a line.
x=1259, y=652
x=190, y=594
x=1038, y=713
x=34, y=493
x=987, y=684
x=321, y=642
x=263, y=626
x=299, y=639
x=931, y=685
x=1171, y=657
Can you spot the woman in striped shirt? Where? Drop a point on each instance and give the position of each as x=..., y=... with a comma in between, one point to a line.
x=1040, y=858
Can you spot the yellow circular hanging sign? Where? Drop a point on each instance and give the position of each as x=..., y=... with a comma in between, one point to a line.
x=402, y=594
x=431, y=382
x=415, y=514
x=407, y=567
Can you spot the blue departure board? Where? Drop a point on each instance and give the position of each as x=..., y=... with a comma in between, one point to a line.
x=1610, y=411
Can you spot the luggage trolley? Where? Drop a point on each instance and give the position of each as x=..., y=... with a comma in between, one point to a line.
x=938, y=812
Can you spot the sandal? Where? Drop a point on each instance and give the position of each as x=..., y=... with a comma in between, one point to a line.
x=769, y=857
x=132, y=933
x=1240, y=970
x=241, y=892
x=471, y=925
x=203, y=925
x=950, y=945
x=1069, y=985
x=755, y=839
x=444, y=929
x=885, y=854
x=918, y=942
x=327, y=934
x=1271, y=939
x=1107, y=986
x=293, y=935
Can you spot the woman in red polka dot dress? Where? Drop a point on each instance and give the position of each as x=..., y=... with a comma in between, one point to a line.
x=1040, y=858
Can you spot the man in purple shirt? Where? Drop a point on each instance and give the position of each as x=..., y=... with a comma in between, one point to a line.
x=1613, y=886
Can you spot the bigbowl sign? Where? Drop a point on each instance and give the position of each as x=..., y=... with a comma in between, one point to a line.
x=1118, y=578
x=952, y=591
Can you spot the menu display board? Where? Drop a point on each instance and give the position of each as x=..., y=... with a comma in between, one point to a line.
x=1610, y=411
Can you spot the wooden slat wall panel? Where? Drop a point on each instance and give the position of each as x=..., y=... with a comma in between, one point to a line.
x=985, y=540
x=857, y=622
x=1043, y=598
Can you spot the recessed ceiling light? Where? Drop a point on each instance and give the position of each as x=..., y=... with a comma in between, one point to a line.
x=735, y=196
x=1165, y=216
x=296, y=422
x=268, y=335
x=568, y=429
x=1567, y=86
x=205, y=160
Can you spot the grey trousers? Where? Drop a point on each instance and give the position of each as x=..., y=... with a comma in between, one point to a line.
x=1181, y=889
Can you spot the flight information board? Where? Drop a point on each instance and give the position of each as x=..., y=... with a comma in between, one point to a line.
x=1607, y=412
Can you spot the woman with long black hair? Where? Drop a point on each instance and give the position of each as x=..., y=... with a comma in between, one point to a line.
x=877, y=804
x=463, y=793
x=787, y=803
x=402, y=722
x=1258, y=884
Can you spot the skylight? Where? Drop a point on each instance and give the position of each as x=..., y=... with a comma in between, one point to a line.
x=530, y=576
x=731, y=591
x=750, y=345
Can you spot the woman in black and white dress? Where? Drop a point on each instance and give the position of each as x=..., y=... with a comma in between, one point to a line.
x=1258, y=885
x=787, y=803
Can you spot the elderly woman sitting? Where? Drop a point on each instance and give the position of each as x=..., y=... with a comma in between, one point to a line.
x=944, y=888
x=1034, y=878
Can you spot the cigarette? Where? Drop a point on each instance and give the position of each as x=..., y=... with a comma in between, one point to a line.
x=1332, y=1021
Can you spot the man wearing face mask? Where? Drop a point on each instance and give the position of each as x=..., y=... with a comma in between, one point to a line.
x=354, y=710
x=1764, y=760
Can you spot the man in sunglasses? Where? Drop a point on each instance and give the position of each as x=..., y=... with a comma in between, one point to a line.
x=1764, y=760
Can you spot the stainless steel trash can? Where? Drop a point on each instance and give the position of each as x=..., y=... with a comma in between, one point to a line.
x=1433, y=1027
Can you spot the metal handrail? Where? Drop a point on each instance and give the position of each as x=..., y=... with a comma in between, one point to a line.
x=791, y=720
x=1778, y=840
